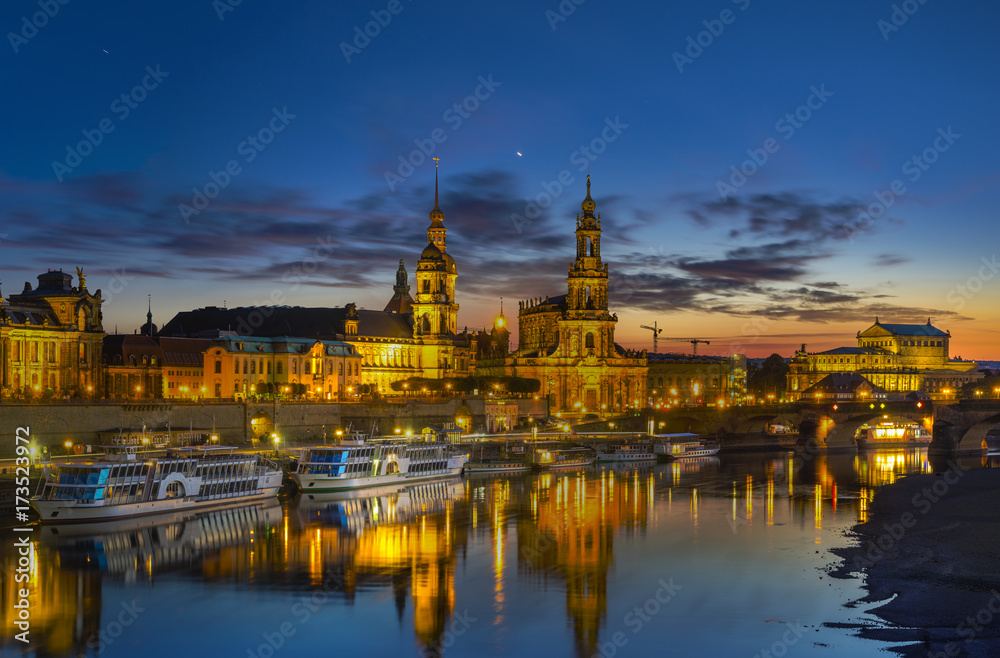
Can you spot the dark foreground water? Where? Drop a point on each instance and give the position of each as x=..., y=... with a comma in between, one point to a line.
x=725, y=556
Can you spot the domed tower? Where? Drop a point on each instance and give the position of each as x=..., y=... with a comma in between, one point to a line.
x=435, y=312
x=588, y=275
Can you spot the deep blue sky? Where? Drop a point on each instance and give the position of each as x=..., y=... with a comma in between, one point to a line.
x=781, y=257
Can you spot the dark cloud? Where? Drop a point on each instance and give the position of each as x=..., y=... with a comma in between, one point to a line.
x=888, y=260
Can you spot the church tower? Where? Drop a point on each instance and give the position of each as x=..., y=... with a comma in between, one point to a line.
x=588, y=275
x=401, y=301
x=435, y=312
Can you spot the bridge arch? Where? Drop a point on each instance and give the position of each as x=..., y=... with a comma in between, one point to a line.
x=949, y=437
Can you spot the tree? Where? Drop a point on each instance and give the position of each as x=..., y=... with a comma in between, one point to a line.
x=769, y=379
x=979, y=390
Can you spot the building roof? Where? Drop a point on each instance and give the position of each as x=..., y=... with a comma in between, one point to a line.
x=401, y=304
x=906, y=329
x=183, y=351
x=840, y=383
x=280, y=345
x=273, y=321
x=840, y=351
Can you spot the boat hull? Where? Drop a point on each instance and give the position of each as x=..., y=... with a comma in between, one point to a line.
x=65, y=511
x=321, y=483
x=626, y=458
x=485, y=467
x=690, y=454
x=566, y=463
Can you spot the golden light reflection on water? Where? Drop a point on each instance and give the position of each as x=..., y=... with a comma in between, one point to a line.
x=558, y=529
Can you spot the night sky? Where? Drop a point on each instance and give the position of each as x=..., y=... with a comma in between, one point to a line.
x=259, y=153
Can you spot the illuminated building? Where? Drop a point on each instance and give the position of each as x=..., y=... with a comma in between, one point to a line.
x=568, y=342
x=899, y=358
x=844, y=386
x=681, y=379
x=133, y=367
x=146, y=366
x=50, y=339
x=237, y=366
x=410, y=337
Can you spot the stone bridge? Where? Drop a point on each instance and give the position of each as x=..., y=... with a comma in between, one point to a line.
x=956, y=428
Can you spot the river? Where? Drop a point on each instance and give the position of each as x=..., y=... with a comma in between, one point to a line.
x=722, y=556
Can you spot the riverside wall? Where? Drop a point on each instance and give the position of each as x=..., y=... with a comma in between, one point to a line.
x=234, y=422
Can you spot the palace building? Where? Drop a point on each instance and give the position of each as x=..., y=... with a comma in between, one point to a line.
x=411, y=337
x=50, y=339
x=898, y=358
x=567, y=342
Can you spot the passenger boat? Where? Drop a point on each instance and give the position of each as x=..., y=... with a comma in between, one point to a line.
x=552, y=458
x=121, y=485
x=359, y=464
x=627, y=451
x=684, y=446
x=891, y=435
x=497, y=465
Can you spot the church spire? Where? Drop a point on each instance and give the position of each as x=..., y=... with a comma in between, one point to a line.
x=149, y=309
x=402, y=287
x=588, y=204
x=437, y=217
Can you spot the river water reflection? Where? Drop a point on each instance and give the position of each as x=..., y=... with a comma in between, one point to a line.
x=719, y=557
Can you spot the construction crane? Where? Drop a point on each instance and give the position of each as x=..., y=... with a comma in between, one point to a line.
x=694, y=343
x=656, y=331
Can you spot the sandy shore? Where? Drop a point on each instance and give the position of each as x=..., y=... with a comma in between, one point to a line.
x=934, y=542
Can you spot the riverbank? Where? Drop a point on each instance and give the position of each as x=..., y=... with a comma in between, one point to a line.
x=933, y=543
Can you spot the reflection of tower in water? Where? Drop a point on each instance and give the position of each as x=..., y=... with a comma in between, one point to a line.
x=568, y=534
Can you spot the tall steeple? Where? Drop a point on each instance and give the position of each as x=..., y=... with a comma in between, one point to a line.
x=588, y=275
x=148, y=329
x=436, y=231
x=434, y=309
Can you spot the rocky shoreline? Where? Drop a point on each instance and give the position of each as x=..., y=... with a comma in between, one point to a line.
x=932, y=545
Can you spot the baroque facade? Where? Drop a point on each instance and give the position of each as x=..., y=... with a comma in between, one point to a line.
x=898, y=358
x=50, y=339
x=567, y=342
x=411, y=337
